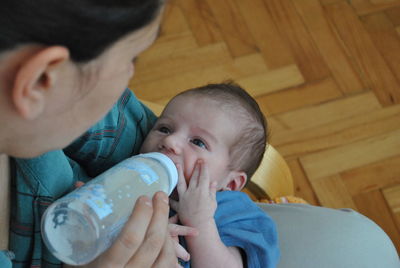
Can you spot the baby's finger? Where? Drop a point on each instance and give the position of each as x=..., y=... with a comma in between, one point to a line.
x=181, y=187
x=213, y=189
x=181, y=252
x=204, y=182
x=194, y=180
x=181, y=230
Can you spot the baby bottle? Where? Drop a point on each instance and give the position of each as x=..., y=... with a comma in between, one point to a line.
x=84, y=223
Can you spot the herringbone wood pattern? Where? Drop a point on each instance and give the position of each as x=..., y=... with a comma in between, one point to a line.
x=325, y=72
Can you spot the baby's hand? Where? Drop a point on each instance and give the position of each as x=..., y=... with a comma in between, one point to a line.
x=176, y=230
x=197, y=202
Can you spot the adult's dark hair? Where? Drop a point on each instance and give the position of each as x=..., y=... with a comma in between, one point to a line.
x=247, y=151
x=85, y=27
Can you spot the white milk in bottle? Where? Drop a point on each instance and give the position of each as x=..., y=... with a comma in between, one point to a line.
x=83, y=224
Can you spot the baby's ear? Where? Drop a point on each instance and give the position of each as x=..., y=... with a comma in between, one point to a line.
x=237, y=180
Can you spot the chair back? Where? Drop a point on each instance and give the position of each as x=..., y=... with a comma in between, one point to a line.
x=272, y=178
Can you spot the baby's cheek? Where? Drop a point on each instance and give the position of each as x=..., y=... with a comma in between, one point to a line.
x=149, y=144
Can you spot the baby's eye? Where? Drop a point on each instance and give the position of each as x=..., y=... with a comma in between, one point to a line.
x=199, y=143
x=164, y=130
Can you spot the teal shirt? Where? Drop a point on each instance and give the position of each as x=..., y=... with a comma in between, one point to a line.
x=37, y=182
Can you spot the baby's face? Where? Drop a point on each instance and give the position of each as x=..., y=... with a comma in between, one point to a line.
x=192, y=128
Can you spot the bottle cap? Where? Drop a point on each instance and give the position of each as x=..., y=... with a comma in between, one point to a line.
x=169, y=165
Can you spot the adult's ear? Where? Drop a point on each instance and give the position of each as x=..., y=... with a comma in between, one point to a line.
x=36, y=75
x=237, y=180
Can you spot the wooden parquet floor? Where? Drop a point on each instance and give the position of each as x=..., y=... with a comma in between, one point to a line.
x=325, y=72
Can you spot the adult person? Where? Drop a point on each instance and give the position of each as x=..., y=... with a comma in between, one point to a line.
x=63, y=64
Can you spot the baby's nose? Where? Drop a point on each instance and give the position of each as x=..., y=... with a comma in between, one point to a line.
x=173, y=144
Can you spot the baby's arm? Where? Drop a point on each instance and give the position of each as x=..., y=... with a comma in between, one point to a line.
x=207, y=249
x=196, y=208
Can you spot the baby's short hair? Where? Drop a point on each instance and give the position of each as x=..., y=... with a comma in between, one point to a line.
x=247, y=151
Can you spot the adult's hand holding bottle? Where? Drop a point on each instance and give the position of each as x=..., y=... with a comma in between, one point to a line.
x=144, y=241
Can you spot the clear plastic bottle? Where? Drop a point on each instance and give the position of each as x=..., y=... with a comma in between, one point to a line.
x=84, y=223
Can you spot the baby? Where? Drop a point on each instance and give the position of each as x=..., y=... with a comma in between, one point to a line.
x=216, y=136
